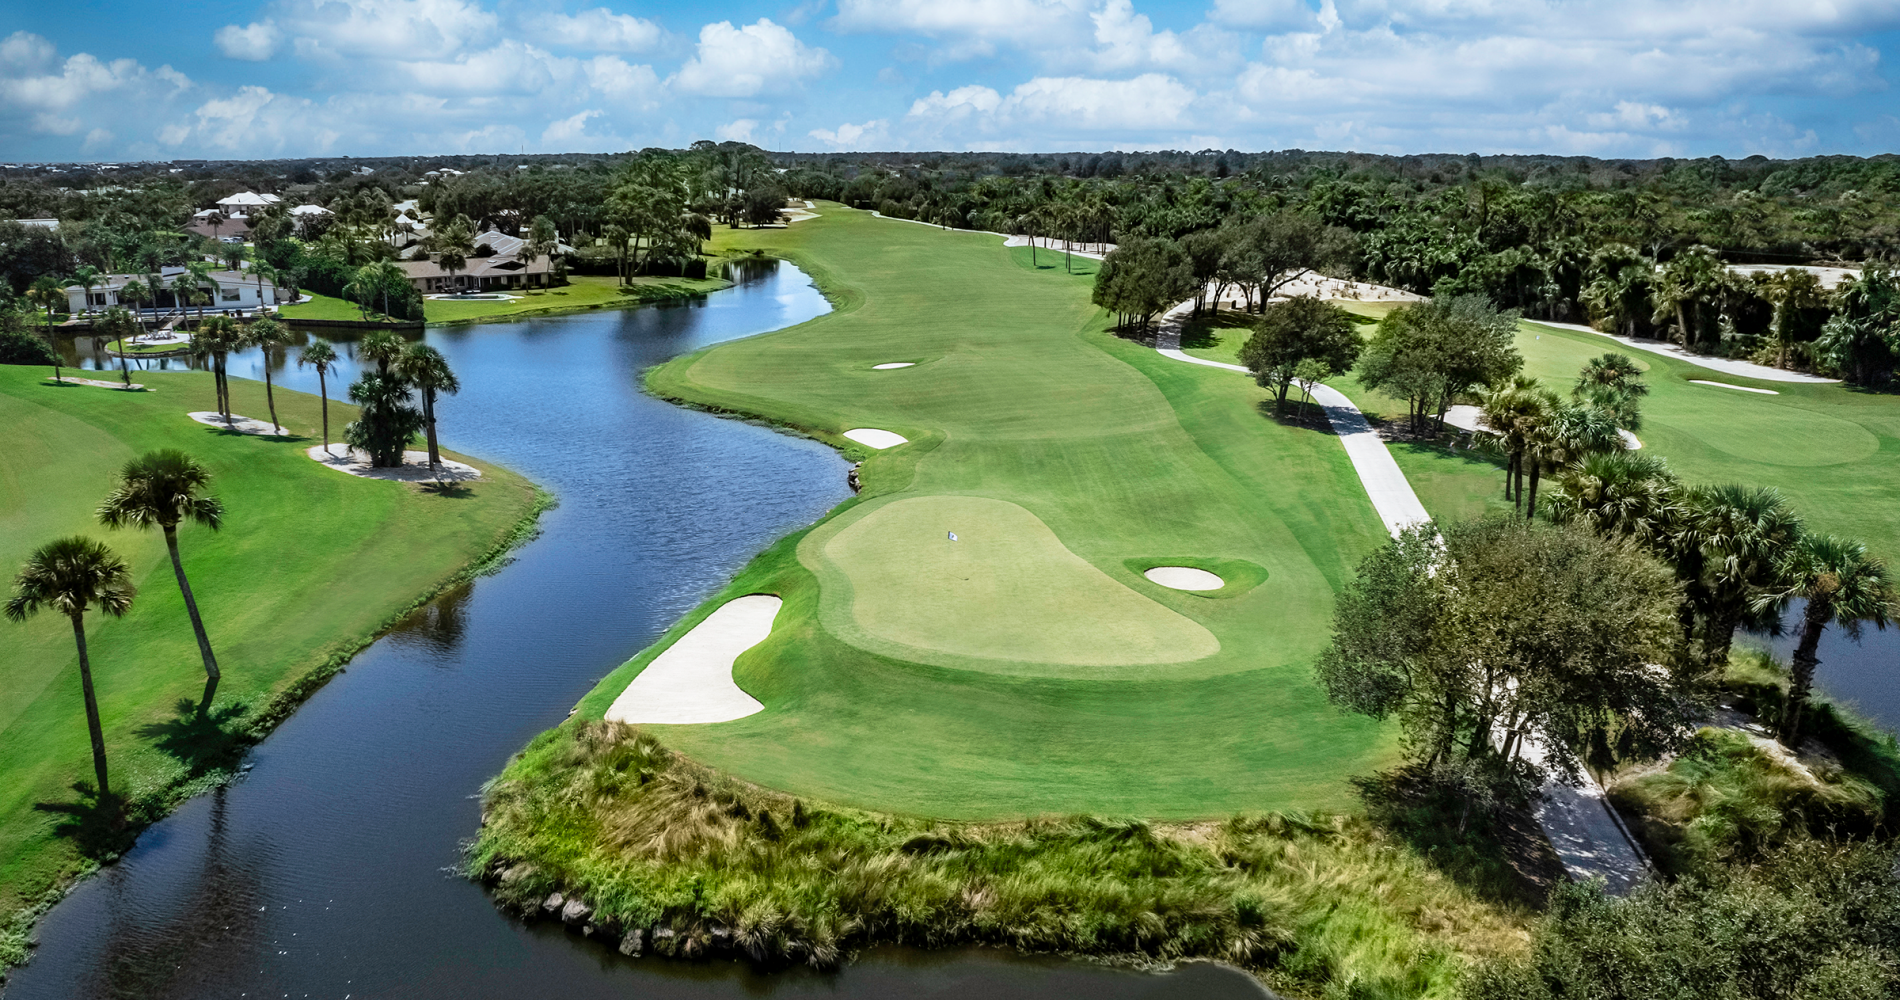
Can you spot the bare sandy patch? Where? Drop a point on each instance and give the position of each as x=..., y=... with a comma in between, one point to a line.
x=238, y=422
x=414, y=468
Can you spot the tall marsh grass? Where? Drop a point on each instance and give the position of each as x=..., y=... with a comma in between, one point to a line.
x=1316, y=905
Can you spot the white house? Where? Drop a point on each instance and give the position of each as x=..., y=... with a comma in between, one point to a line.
x=228, y=291
x=244, y=202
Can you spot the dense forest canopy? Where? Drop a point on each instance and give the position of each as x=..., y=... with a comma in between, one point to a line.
x=1634, y=245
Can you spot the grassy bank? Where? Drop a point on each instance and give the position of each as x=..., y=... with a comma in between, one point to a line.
x=645, y=840
x=581, y=294
x=310, y=566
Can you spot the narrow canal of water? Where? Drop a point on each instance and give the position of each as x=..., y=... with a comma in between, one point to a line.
x=326, y=870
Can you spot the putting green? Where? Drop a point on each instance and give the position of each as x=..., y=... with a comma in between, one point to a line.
x=1004, y=595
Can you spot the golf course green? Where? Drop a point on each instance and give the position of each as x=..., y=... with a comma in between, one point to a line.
x=1027, y=667
x=309, y=566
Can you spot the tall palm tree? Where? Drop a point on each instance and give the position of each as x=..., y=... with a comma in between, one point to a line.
x=1842, y=585
x=214, y=341
x=138, y=293
x=166, y=488
x=425, y=369
x=261, y=269
x=118, y=325
x=322, y=355
x=184, y=289
x=87, y=277
x=70, y=575
x=266, y=335
x=1511, y=413
x=47, y=292
x=1730, y=547
x=387, y=278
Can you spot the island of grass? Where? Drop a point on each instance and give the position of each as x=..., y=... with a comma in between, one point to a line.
x=308, y=568
x=970, y=647
x=581, y=294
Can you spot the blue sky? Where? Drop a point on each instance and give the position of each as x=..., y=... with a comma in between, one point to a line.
x=111, y=80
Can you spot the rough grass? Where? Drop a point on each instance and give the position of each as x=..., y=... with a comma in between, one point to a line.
x=1020, y=394
x=646, y=839
x=1732, y=798
x=310, y=565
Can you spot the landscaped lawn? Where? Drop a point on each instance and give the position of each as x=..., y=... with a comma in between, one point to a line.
x=323, y=307
x=310, y=563
x=581, y=292
x=1067, y=455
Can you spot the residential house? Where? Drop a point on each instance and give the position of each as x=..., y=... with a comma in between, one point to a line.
x=229, y=291
x=483, y=274
x=245, y=202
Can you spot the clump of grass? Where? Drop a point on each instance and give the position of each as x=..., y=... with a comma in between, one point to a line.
x=1733, y=797
x=602, y=813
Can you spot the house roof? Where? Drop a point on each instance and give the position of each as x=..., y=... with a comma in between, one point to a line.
x=311, y=210
x=478, y=267
x=249, y=199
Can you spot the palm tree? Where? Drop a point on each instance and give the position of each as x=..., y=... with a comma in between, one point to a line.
x=383, y=347
x=1842, y=585
x=266, y=334
x=70, y=575
x=1511, y=413
x=1566, y=434
x=164, y=488
x=87, y=277
x=184, y=289
x=1620, y=493
x=1611, y=383
x=216, y=338
x=321, y=354
x=47, y=291
x=137, y=293
x=119, y=325
x=1790, y=292
x=1730, y=547
x=261, y=269
x=424, y=368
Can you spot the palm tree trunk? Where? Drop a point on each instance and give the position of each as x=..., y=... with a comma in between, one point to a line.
x=428, y=419
x=1510, y=475
x=92, y=707
x=1530, y=506
x=323, y=391
x=269, y=398
x=1682, y=324
x=1813, y=620
x=191, y=607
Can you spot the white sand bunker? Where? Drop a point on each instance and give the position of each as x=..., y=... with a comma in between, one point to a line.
x=893, y=364
x=1737, y=388
x=414, y=468
x=70, y=380
x=874, y=438
x=239, y=423
x=691, y=682
x=1184, y=578
x=1630, y=441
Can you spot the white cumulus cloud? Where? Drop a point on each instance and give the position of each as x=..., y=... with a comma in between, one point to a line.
x=595, y=30
x=253, y=42
x=849, y=136
x=744, y=61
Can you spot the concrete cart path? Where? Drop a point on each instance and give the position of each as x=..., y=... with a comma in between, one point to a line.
x=1578, y=822
x=1391, y=494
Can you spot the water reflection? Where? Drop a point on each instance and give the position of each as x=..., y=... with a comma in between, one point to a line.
x=322, y=873
x=1864, y=674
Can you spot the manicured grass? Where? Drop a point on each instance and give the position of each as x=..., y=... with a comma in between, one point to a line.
x=309, y=565
x=1832, y=449
x=1020, y=396
x=324, y=307
x=1004, y=594
x=582, y=292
